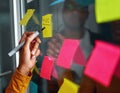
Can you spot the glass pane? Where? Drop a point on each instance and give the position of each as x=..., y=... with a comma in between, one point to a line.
x=6, y=37
x=73, y=21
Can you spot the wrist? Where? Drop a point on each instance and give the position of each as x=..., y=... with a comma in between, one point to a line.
x=24, y=70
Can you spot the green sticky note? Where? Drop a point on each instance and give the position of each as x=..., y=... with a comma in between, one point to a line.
x=33, y=87
x=107, y=10
x=68, y=87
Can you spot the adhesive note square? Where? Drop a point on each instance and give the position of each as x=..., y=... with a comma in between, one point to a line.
x=79, y=57
x=56, y=2
x=68, y=87
x=117, y=71
x=35, y=19
x=67, y=53
x=84, y=2
x=107, y=10
x=102, y=63
x=47, y=67
x=47, y=23
x=33, y=87
x=27, y=16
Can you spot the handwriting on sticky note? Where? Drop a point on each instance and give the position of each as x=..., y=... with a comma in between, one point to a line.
x=67, y=53
x=27, y=16
x=105, y=8
x=102, y=63
x=68, y=87
x=47, y=67
x=56, y=2
x=47, y=23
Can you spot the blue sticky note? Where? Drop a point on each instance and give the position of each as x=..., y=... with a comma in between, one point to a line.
x=33, y=87
x=84, y=2
x=56, y=2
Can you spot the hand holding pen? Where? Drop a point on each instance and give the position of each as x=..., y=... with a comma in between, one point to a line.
x=12, y=52
x=28, y=52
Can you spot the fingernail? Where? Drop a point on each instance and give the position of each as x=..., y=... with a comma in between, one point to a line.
x=33, y=51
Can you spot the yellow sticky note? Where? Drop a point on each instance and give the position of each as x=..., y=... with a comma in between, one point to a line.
x=27, y=16
x=107, y=10
x=47, y=23
x=68, y=87
x=35, y=19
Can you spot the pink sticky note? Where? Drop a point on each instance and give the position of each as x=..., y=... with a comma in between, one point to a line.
x=117, y=71
x=47, y=67
x=67, y=53
x=79, y=57
x=54, y=72
x=103, y=62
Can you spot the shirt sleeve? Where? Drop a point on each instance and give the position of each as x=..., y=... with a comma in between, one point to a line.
x=18, y=83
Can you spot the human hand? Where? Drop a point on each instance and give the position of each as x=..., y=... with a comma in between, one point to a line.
x=28, y=52
x=54, y=45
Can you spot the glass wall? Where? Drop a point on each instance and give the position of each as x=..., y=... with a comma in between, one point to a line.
x=70, y=20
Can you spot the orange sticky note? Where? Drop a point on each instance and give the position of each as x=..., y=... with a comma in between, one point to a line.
x=69, y=87
x=103, y=62
x=47, y=67
x=67, y=53
x=47, y=23
x=27, y=16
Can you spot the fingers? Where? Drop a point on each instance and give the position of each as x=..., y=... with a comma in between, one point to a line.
x=37, y=53
x=35, y=46
x=52, y=53
x=29, y=39
x=24, y=36
x=60, y=37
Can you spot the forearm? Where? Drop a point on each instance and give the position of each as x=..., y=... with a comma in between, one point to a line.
x=18, y=83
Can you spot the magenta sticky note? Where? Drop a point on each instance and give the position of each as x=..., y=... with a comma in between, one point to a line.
x=117, y=71
x=103, y=62
x=47, y=67
x=54, y=72
x=79, y=57
x=67, y=53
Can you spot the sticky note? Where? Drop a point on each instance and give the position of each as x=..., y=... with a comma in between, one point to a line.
x=35, y=19
x=36, y=70
x=28, y=1
x=47, y=67
x=79, y=57
x=54, y=72
x=102, y=62
x=67, y=53
x=117, y=71
x=27, y=16
x=47, y=23
x=33, y=87
x=56, y=2
x=107, y=10
x=69, y=87
x=84, y=2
